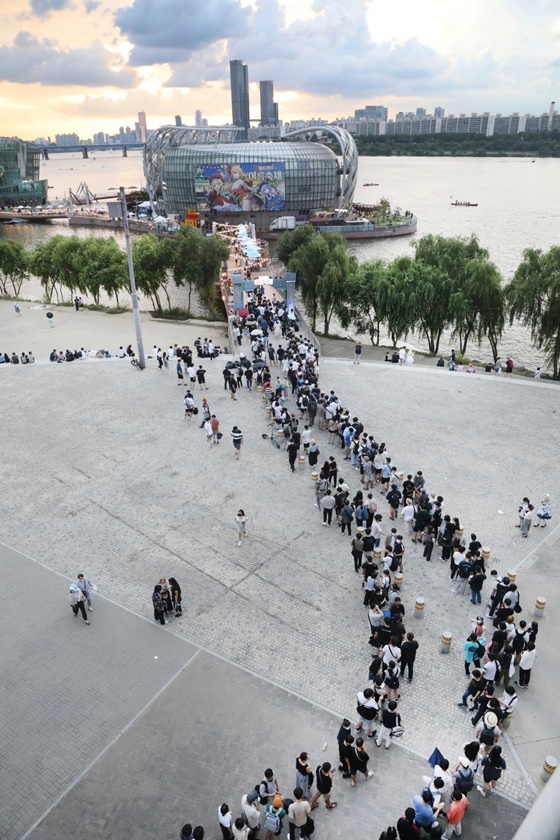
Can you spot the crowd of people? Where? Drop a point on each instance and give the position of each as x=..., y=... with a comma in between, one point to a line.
x=377, y=540
x=13, y=359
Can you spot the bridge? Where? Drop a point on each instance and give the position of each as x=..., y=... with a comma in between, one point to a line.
x=90, y=147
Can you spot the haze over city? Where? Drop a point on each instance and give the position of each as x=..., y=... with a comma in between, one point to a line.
x=82, y=65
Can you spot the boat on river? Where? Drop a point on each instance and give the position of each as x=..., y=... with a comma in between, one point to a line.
x=464, y=204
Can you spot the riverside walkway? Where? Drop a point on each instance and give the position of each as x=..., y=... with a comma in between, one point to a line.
x=123, y=489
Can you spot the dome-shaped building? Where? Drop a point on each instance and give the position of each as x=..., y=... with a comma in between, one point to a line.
x=203, y=169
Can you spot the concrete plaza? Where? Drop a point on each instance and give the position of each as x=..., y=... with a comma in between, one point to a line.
x=103, y=475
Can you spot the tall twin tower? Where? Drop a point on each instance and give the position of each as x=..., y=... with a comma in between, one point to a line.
x=239, y=81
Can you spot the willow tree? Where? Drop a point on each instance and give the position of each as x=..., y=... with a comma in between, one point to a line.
x=533, y=298
x=478, y=305
x=13, y=265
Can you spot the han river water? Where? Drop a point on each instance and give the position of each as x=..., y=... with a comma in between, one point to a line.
x=517, y=199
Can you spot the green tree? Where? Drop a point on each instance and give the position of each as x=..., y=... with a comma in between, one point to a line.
x=43, y=264
x=187, y=259
x=67, y=260
x=533, y=297
x=395, y=299
x=358, y=306
x=152, y=257
x=308, y=262
x=331, y=283
x=103, y=268
x=214, y=252
x=13, y=265
x=292, y=240
x=477, y=306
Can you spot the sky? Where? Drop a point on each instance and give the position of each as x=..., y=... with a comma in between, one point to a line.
x=91, y=65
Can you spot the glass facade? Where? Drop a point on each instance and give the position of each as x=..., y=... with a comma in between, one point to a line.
x=19, y=175
x=310, y=171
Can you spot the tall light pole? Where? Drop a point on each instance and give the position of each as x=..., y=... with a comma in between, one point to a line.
x=133, y=292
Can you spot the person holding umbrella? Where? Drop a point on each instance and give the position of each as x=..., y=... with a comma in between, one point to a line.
x=50, y=317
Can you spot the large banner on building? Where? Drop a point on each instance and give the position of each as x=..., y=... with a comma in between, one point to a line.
x=240, y=187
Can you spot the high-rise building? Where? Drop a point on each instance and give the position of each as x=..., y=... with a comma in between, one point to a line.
x=198, y=118
x=269, y=108
x=143, y=127
x=439, y=112
x=371, y=112
x=420, y=112
x=239, y=82
x=178, y=120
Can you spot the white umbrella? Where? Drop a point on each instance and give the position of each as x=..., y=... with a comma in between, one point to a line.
x=256, y=332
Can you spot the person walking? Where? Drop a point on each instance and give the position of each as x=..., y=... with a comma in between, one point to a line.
x=232, y=387
x=493, y=765
x=368, y=711
x=292, y=450
x=87, y=587
x=77, y=602
x=359, y=759
x=157, y=601
x=208, y=432
x=389, y=719
x=324, y=781
x=241, y=525
x=237, y=437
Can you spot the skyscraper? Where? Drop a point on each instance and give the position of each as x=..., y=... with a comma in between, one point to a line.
x=178, y=120
x=269, y=109
x=198, y=118
x=143, y=128
x=239, y=82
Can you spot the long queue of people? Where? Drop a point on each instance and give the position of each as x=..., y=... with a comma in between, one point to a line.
x=378, y=552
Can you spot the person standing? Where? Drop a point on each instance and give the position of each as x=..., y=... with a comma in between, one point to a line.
x=389, y=719
x=176, y=598
x=527, y=521
x=522, y=510
x=298, y=814
x=237, y=437
x=157, y=601
x=86, y=586
x=215, y=424
x=201, y=377
x=77, y=599
x=357, y=353
x=359, y=759
x=179, y=369
x=208, y=431
x=476, y=582
x=544, y=515
x=232, y=387
x=225, y=818
x=304, y=774
x=455, y=814
x=274, y=814
x=525, y=665
x=493, y=766
x=328, y=504
x=409, y=649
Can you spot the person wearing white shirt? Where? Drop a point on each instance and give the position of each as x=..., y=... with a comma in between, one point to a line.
x=508, y=702
x=525, y=665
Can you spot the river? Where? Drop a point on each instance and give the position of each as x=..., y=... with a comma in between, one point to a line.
x=517, y=209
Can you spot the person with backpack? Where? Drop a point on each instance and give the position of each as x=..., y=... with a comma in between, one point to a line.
x=464, y=570
x=368, y=711
x=487, y=731
x=493, y=766
x=464, y=775
x=268, y=787
x=392, y=682
x=475, y=686
x=251, y=810
x=274, y=814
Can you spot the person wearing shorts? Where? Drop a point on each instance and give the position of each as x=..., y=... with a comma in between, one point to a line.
x=323, y=781
x=237, y=436
x=241, y=525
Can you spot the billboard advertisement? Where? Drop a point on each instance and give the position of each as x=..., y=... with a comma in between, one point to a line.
x=240, y=187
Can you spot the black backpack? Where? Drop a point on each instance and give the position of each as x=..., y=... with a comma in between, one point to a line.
x=394, y=564
x=262, y=799
x=464, y=780
x=518, y=642
x=487, y=736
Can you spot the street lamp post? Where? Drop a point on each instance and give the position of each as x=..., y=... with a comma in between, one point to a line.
x=133, y=292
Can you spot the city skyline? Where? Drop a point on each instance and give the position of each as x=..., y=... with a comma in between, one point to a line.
x=171, y=57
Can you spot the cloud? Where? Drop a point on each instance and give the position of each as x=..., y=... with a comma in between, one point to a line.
x=91, y=5
x=173, y=29
x=31, y=60
x=42, y=8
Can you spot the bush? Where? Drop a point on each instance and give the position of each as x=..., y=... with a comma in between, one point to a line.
x=176, y=313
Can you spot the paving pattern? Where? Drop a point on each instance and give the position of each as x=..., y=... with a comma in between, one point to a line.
x=110, y=479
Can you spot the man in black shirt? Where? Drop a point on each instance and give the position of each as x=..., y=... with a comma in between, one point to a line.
x=406, y=828
x=389, y=719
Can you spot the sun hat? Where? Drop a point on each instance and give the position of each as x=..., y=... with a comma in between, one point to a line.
x=464, y=761
x=490, y=719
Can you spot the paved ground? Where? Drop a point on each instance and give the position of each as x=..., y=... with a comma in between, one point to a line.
x=126, y=490
x=143, y=731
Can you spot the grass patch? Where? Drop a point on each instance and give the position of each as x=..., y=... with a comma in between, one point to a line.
x=176, y=313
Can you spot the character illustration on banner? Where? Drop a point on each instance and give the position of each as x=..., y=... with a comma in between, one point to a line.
x=241, y=188
x=271, y=195
x=219, y=196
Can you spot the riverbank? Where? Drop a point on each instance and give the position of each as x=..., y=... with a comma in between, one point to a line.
x=343, y=348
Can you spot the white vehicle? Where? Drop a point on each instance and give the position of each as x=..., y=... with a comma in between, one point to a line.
x=283, y=223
